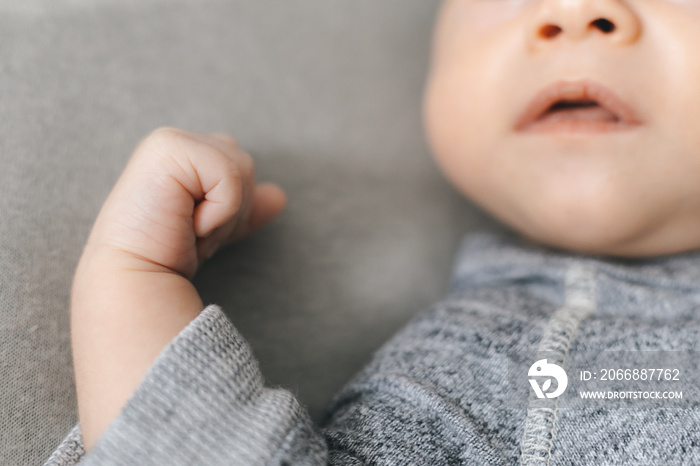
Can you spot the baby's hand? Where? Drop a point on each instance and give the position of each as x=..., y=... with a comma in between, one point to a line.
x=181, y=196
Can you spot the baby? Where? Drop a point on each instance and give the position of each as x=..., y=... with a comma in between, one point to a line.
x=572, y=121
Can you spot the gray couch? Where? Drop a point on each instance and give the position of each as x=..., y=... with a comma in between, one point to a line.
x=325, y=94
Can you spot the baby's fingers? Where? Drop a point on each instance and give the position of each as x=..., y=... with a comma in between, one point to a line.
x=266, y=201
x=178, y=189
x=226, y=179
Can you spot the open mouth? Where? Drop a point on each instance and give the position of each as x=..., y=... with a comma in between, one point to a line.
x=567, y=110
x=577, y=106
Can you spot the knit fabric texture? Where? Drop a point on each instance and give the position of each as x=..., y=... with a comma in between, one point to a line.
x=441, y=391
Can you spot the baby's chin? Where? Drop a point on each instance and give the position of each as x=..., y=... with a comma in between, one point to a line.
x=624, y=243
x=600, y=243
x=600, y=233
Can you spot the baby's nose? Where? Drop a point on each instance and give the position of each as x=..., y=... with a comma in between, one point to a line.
x=577, y=20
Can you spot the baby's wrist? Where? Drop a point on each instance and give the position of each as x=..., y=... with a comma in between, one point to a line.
x=124, y=312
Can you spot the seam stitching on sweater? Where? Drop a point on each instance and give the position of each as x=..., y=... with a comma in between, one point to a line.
x=538, y=435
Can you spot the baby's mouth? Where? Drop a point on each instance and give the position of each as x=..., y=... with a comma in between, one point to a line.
x=577, y=111
x=583, y=116
x=582, y=106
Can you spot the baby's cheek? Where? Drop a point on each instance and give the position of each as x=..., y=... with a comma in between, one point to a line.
x=451, y=116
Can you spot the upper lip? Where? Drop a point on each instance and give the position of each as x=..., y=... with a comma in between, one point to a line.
x=581, y=90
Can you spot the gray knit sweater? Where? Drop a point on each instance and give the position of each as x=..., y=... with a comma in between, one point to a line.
x=452, y=386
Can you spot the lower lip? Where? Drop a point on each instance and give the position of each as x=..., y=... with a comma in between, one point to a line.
x=587, y=121
x=590, y=126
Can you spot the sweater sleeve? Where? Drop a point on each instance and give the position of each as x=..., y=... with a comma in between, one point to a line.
x=203, y=401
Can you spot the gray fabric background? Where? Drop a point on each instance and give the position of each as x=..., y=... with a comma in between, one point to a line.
x=325, y=94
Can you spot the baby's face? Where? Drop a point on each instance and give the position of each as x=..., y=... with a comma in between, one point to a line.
x=607, y=177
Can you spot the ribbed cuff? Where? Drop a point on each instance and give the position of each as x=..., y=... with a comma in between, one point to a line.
x=203, y=402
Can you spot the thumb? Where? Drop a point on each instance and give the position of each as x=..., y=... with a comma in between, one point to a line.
x=268, y=201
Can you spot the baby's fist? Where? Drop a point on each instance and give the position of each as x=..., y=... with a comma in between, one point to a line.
x=182, y=196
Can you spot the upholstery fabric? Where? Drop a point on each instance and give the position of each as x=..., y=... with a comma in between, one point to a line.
x=326, y=97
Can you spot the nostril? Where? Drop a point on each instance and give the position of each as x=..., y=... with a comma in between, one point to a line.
x=604, y=25
x=549, y=31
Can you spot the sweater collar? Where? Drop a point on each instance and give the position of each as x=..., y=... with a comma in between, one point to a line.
x=661, y=284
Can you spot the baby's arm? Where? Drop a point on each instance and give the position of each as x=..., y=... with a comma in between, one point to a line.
x=181, y=197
